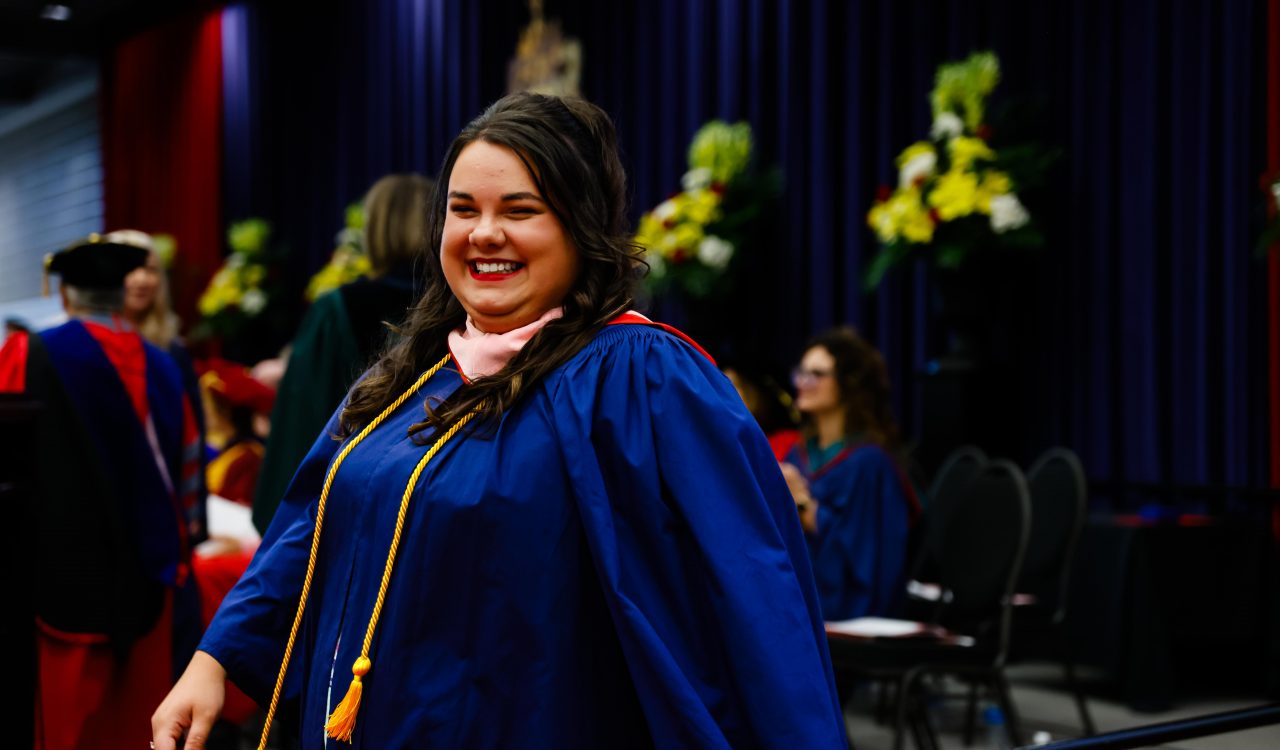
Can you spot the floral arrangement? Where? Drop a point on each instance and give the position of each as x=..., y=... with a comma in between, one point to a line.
x=237, y=293
x=348, y=262
x=691, y=239
x=956, y=193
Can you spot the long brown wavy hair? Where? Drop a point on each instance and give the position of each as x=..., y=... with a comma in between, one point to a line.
x=863, y=381
x=570, y=149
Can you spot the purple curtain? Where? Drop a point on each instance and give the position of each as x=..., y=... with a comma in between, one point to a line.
x=1136, y=336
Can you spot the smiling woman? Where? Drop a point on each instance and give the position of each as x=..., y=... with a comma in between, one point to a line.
x=504, y=252
x=597, y=549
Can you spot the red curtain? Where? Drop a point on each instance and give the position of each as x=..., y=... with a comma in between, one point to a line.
x=162, y=144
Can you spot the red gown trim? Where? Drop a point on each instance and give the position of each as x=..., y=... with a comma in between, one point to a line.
x=13, y=363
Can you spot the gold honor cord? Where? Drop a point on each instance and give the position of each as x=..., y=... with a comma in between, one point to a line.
x=362, y=664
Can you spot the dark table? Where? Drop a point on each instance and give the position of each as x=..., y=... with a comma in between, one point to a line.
x=1168, y=607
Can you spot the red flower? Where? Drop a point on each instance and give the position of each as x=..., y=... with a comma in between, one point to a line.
x=679, y=256
x=883, y=193
x=935, y=217
x=718, y=188
x=669, y=224
x=984, y=132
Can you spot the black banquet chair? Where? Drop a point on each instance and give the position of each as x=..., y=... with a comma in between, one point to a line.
x=945, y=493
x=980, y=551
x=1059, y=503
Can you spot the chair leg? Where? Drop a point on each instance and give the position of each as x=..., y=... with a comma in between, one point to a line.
x=922, y=732
x=971, y=713
x=1011, y=719
x=905, y=685
x=1086, y=718
x=926, y=737
x=883, y=701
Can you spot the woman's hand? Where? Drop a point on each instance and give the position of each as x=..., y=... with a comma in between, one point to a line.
x=192, y=706
x=806, y=505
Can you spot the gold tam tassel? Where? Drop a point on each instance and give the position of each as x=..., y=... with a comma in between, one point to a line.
x=44, y=276
x=343, y=721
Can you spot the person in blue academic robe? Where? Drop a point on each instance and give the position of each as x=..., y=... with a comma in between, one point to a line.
x=854, y=499
x=608, y=556
x=115, y=448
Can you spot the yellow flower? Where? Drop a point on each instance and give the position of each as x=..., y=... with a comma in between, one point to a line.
x=881, y=220
x=722, y=148
x=254, y=274
x=993, y=184
x=918, y=148
x=687, y=236
x=962, y=87
x=955, y=195
x=209, y=304
x=248, y=236
x=916, y=163
x=965, y=151
x=702, y=206
x=650, y=232
x=902, y=215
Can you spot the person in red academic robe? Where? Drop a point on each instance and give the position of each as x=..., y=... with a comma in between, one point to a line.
x=117, y=471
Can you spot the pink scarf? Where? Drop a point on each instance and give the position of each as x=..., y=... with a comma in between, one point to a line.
x=481, y=354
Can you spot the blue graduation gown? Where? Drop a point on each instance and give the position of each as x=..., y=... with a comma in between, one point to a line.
x=865, y=509
x=617, y=563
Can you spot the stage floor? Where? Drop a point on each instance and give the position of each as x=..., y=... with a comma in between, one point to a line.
x=1045, y=705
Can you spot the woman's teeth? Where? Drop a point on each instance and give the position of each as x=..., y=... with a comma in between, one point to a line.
x=503, y=267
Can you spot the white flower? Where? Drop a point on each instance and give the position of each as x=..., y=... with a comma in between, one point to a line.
x=946, y=125
x=235, y=260
x=349, y=236
x=657, y=266
x=1007, y=213
x=696, y=179
x=715, y=252
x=253, y=301
x=1275, y=190
x=665, y=210
x=920, y=166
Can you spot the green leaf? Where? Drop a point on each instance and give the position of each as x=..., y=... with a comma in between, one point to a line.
x=951, y=256
x=887, y=258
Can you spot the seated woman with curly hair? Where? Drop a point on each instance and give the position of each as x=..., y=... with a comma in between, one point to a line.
x=854, y=499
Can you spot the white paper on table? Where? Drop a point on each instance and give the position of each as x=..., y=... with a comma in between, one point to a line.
x=877, y=627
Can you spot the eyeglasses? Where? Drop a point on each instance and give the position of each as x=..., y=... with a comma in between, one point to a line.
x=801, y=377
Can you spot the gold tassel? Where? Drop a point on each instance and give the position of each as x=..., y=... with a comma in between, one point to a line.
x=44, y=276
x=343, y=720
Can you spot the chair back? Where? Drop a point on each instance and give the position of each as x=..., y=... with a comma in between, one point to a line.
x=1058, y=508
x=946, y=492
x=982, y=549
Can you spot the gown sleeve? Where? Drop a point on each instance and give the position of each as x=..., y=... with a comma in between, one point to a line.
x=697, y=546
x=249, y=632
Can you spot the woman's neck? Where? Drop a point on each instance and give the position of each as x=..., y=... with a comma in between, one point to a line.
x=828, y=427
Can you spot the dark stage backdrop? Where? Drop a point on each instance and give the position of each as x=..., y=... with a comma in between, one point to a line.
x=1138, y=336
